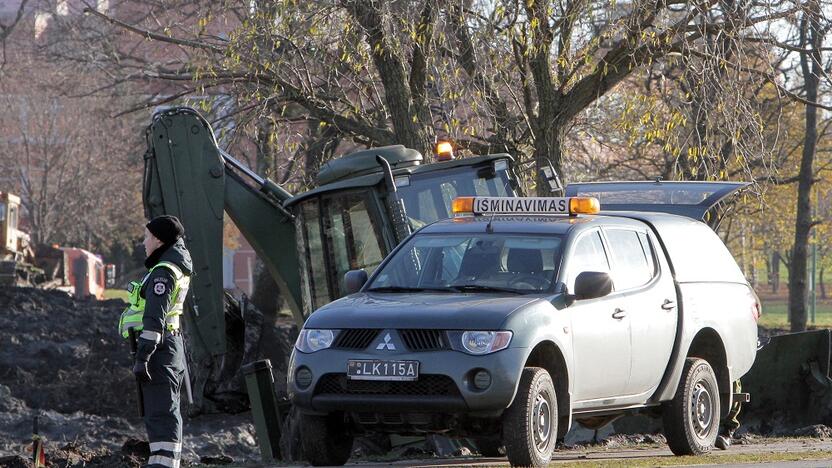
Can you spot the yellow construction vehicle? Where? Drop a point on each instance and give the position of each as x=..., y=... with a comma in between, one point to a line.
x=16, y=253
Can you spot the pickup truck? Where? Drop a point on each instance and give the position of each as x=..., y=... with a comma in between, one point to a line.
x=519, y=315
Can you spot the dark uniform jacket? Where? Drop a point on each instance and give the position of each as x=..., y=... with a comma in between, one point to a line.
x=157, y=292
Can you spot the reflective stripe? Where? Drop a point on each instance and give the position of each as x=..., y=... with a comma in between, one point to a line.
x=163, y=460
x=153, y=336
x=175, y=447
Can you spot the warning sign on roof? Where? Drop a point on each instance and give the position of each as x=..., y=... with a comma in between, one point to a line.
x=521, y=205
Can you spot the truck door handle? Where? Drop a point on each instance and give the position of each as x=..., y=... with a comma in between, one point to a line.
x=668, y=304
x=619, y=314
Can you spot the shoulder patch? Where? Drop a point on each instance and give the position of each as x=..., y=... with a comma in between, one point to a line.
x=160, y=288
x=160, y=279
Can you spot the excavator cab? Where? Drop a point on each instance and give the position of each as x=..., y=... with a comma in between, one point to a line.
x=349, y=222
x=16, y=253
x=10, y=237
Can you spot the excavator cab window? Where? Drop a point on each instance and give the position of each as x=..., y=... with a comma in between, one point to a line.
x=339, y=234
x=427, y=197
x=12, y=217
x=2, y=212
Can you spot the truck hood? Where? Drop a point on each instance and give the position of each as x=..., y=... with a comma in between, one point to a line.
x=423, y=310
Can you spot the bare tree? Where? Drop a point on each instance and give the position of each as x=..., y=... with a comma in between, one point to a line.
x=812, y=31
x=6, y=28
x=501, y=76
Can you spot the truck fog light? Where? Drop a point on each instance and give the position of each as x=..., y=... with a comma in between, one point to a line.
x=303, y=377
x=482, y=380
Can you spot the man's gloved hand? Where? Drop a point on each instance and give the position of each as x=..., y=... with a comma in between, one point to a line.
x=141, y=372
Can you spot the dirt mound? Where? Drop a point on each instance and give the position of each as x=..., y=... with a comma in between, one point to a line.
x=65, y=355
x=62, y=360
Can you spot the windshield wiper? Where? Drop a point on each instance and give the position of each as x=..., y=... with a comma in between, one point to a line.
x=482, y=288
x=406, y=289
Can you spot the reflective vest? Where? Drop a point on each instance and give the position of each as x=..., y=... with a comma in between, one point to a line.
x=133, y=314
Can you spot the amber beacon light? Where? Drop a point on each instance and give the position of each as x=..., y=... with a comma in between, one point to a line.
x=462, y=205
x=584, y=205
x=444, y=151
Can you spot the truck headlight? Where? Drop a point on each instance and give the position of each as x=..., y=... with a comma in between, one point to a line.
x=314, y=339
x=485, y=342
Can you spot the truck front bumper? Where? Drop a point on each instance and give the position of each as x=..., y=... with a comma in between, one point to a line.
x=445, y=383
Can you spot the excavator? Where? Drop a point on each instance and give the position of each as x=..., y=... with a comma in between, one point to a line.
x=73, y=270
x=16, y=252
x=364, y=205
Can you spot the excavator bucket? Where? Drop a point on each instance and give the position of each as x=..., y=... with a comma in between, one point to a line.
x=790, y=382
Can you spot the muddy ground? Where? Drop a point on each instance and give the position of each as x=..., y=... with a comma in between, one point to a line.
x=63, y=361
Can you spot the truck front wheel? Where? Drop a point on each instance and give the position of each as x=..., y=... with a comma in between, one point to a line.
x=691, y=419
x=326, y=440
x=530, y=424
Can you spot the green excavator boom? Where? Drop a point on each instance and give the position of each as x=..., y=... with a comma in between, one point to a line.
x=188, y=176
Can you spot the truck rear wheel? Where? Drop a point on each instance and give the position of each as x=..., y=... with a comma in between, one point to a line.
x=530, y=424
x=691, y=419
x=326, y=440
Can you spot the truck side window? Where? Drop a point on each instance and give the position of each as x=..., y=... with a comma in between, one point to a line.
x=630, y=268
x=588, y=255
x=648, y=252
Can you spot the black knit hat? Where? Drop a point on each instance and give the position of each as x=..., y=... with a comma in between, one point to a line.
x=166, y=228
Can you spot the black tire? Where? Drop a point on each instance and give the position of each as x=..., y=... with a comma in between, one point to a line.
x=691, y=419
x=326, y=440
x=491, y=447
x=530, y=424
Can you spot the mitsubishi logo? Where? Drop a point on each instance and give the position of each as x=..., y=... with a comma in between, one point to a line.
x=386, y=344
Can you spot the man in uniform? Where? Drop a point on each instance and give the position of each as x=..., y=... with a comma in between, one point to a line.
x=156, y=305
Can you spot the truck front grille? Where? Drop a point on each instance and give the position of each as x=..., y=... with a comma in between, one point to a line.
x=429, y=384
x=355, y=338
x=424, y=340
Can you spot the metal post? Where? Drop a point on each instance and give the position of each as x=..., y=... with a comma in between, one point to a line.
x=264, y=408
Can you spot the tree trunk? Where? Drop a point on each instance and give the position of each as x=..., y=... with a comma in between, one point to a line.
x=548, y=147
x=798, y=271
x=387, y=58
x=820, y=283
x=775, y=272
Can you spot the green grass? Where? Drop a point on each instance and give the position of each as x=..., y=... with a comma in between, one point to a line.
x=775, y=314
x=115, y=294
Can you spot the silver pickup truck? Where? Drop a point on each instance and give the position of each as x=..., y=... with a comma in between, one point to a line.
x=520, y=315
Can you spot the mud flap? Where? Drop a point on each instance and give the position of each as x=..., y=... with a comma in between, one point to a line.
x=790, y=381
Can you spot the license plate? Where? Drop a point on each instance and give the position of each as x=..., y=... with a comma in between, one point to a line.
x=360, y=369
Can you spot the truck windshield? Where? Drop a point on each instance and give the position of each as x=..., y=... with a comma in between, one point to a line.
x=472, y=263
x=427, y=196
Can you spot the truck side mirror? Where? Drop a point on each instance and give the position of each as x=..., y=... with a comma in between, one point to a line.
x=592, y=284
x=354, y=280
